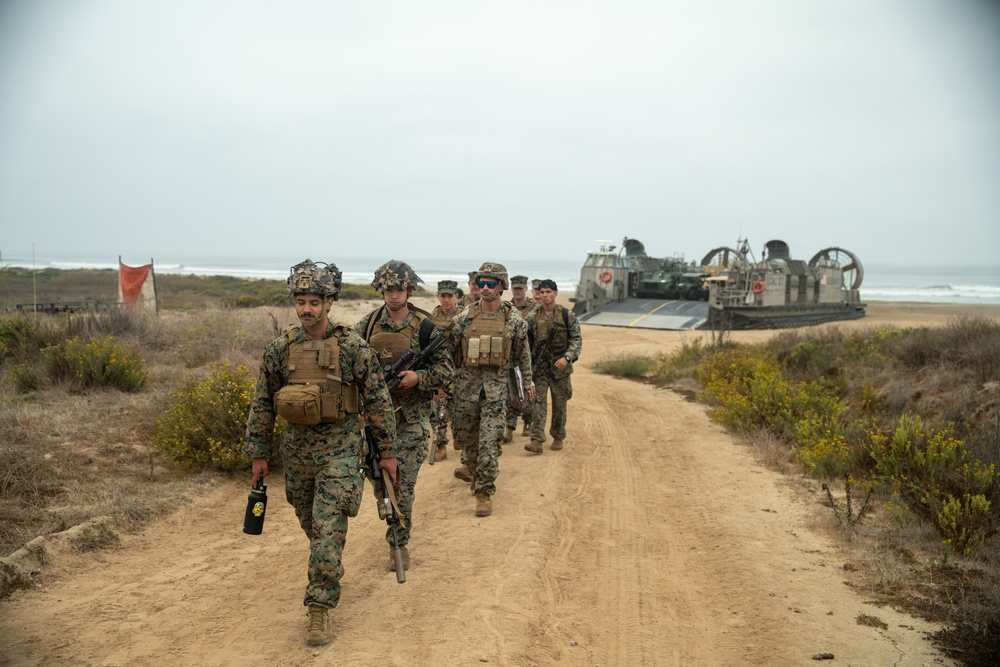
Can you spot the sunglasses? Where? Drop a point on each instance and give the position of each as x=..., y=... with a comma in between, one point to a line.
x=487, y=283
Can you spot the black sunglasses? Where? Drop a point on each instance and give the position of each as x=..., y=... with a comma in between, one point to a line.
x=487, y=283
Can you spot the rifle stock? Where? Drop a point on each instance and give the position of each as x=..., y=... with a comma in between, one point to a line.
x=386, y=501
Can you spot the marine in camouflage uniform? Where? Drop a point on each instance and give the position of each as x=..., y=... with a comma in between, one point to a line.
x=556, y=343
x=524, y=304
x=441, y=415
x=473, y=294
x=481, y=384
x=391, y=330
x=322, y=462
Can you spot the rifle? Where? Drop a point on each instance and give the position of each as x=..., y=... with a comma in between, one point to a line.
x=387, y=510
x=441, y=417
x=411, y=360
x=541, y=351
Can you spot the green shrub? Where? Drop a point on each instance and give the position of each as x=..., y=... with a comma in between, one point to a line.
x=625, y=365
x=25, y=378
x=821, y=446
x=928, y=469
x=96, y=362
x=22, y=337
x=965, y=523
x=682, y=362
x=205, y=420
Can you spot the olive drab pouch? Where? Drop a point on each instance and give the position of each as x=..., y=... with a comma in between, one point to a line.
x=299, y=404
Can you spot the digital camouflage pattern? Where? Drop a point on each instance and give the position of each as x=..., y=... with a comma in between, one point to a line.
x=493, y=270
x=548, y=378
x=481, y=395
x=323, y=477
x=447, y=287
x=412, y=410
x=309, y=277
x=395, y=274
x=439, y=422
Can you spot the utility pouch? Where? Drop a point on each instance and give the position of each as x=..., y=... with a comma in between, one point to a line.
x=473, y=357
x=299, y=404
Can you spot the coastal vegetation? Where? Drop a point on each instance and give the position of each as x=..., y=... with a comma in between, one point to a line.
x=123, y=414
x=905, y=422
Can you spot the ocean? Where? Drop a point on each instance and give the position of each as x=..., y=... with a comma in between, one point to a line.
x=963, y=284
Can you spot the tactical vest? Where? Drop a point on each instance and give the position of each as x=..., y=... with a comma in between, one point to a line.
x=391, y=345
x=314, y=377
x=560, y=337
x=485, y=342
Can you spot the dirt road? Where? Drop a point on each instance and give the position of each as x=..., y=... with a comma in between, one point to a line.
x=652, y=539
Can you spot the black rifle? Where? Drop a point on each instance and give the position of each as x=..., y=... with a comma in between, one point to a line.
x=411, y=360
x=541, y=350
x=386, y=501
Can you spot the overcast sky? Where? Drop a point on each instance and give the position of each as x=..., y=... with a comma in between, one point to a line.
x=496, y=129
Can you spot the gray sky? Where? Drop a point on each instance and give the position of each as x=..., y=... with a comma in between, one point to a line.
x=500, y=129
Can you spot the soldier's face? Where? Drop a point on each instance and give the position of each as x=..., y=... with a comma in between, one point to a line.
x=519, y=292
x=395, y=297
x=547, y=296
x=474, y=290
x=311, y=308
x=487, y=293
x=447, y=301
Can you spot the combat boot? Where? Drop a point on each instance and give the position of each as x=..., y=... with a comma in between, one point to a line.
x=484, y=504
x=319, y=631
x=441, y=453
x=557, y=444
x=535, y=447
x=508, y=435
x=404, y=552
x=455, y=445
x=463, y=473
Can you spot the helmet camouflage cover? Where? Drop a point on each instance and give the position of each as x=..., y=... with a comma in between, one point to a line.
x=311, y=277
x=395, y=274
x=493, y=270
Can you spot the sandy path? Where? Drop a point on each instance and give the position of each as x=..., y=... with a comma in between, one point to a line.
x=652, y=539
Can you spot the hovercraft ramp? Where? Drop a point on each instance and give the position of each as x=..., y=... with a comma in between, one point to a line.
x=649, y=314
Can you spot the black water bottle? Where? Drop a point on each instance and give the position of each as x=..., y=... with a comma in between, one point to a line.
x=253, y=522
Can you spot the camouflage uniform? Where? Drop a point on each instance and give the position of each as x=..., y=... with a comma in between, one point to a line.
x=482, y=393
x=412, y=409
x=467, y=300
x=441, y=417
x=514, y=411
x=322, y=463
x=549, y=378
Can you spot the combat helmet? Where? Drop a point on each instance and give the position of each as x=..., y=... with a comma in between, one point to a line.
x=395, y=274
x=494, y=270
x=311, y=277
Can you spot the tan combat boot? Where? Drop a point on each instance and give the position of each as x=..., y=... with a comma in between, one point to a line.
x=484, y=504
x=535, y=447
x=508, y=435
x=464, y=473
x=319, y=631
x=557, y=444
x=441, y=453
x=455, y=445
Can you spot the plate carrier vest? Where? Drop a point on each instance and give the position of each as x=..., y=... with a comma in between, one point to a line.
x=391, y=345
x=317, y=362
x=485, y=342
x=560, y=338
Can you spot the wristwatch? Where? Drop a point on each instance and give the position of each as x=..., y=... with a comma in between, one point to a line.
x=567, y=357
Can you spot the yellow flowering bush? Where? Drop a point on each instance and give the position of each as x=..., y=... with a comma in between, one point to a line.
x=205, y=420
x=965, y=522
x=934, y=475
x=96, y=362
